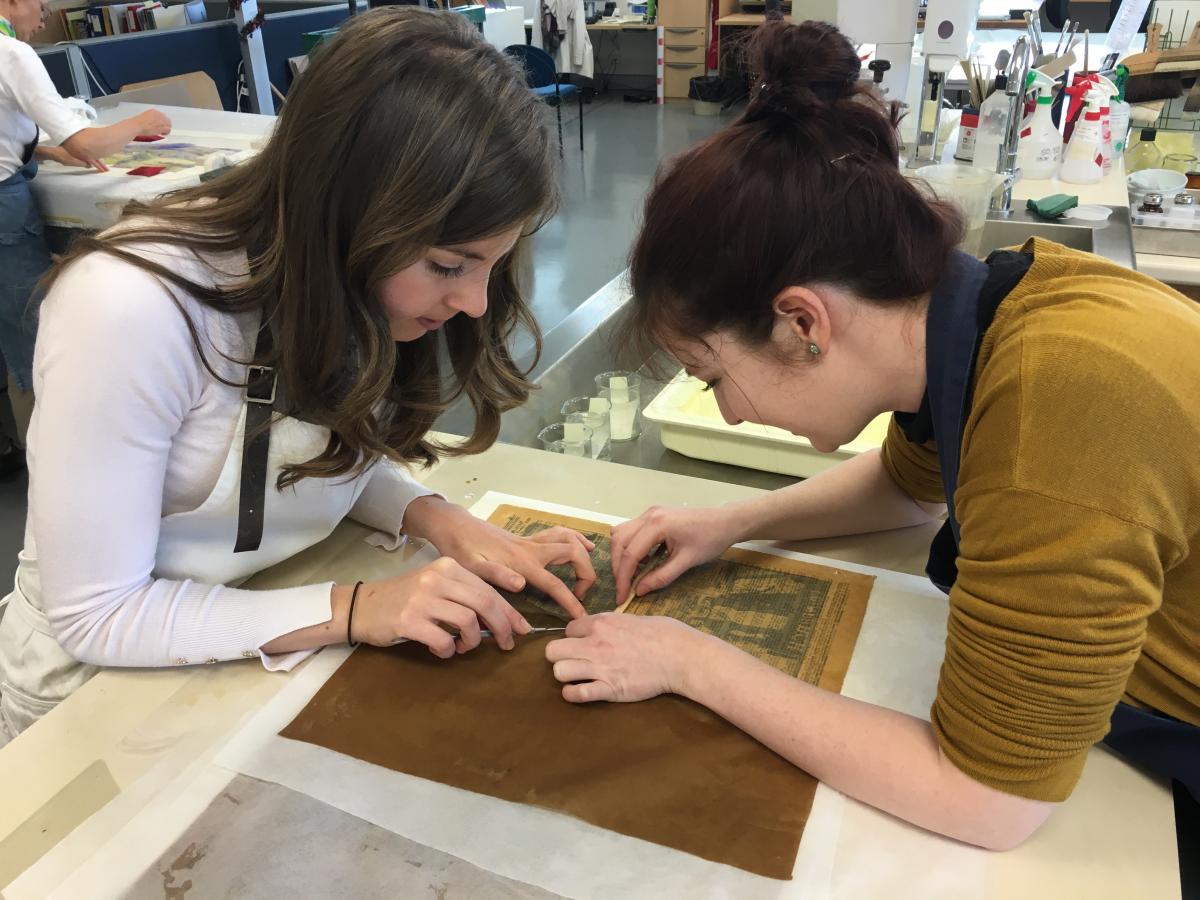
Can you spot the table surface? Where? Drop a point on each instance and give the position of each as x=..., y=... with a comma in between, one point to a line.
x=81, y=198
x=126, y=732
x=621, y=26
x=758, y=19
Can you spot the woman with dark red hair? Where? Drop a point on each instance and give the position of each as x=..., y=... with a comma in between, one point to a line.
x=1046, y=399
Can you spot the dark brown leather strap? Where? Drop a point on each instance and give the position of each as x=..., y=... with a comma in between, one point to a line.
x=256, y=446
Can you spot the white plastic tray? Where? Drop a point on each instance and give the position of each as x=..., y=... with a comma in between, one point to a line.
x=690, y=423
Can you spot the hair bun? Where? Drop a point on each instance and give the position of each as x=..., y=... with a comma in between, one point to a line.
x=801, y=68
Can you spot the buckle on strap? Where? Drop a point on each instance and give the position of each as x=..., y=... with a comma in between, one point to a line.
x=260, y=385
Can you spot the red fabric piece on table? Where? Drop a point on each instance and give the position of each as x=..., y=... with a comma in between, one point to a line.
x=148, y=138
x=146, y=171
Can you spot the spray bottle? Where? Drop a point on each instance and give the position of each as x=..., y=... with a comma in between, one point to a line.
x=1120, y=112
x=1040, y=150
x=1083, y=160
x=1108, y=93
x=993, y=124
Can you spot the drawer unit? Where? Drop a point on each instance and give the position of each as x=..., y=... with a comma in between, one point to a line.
x=677, y=77
x=673, y=13
x=675, y=53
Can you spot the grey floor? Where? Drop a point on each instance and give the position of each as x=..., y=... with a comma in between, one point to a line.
x=574, y=255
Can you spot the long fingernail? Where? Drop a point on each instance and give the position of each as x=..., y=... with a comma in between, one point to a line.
x=525, y=627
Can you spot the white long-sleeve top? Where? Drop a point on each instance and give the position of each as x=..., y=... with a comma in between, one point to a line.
x=28, y=100
x=130, y=428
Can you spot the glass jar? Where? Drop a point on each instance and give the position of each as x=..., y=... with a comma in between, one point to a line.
x=1181, y=162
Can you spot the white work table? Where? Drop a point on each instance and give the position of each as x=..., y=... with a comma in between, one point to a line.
x=120, y=739
x=82, y=198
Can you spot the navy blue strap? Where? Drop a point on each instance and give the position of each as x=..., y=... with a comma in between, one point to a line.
x=952, y=344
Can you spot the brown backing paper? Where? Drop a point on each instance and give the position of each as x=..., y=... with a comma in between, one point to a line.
x=666, y=770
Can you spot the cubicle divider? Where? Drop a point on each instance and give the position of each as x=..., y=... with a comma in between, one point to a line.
x=210, y=47
x=282, y=37
x=58, y=64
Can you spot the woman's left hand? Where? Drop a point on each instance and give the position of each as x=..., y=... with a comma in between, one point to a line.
x=62, y=157
x=504, y=559
x=623, y=658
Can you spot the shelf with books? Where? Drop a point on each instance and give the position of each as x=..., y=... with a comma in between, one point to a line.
x=104, y=19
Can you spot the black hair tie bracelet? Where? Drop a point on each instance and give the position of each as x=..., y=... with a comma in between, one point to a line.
x=350, y=618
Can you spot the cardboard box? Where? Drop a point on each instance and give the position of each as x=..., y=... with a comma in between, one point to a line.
x=195, y=90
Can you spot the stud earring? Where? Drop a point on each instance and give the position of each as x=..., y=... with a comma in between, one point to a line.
x=814, y=349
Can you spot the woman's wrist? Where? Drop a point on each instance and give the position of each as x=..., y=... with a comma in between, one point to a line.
x=688, y=657
x=432, y=518
x=744, y=520
x=339, y=601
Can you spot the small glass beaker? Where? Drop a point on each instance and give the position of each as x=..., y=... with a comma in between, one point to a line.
x=623, y=390
x=592, y=412
x=1180, y=162
x=568, y=438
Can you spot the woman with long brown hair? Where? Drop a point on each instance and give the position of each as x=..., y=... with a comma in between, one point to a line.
x=1046, y=399
x=232, y=370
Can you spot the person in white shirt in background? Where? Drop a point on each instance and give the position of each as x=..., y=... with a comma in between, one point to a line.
x=384, y=212
x=29, y=102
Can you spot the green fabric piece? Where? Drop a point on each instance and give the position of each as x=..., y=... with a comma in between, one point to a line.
x=1053, y=206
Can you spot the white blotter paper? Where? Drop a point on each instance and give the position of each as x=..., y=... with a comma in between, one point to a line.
x=905, y=620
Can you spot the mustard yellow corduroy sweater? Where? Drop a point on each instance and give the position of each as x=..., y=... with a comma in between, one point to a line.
x=1079, y=502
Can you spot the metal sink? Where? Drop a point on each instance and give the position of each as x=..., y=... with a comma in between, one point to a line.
x=1112, y=239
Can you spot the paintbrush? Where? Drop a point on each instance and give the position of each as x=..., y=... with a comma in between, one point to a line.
x=1062, y=38
x=1059, y=64
x=1158, y=74
x=973, y=85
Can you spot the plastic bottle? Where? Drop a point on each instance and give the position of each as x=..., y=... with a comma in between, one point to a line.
x=1145, y=153
x=1120, y=113
x=1108, y=94
x=1040, y=153
x=1083, y=160
x=993, y=124
x=1106, y=145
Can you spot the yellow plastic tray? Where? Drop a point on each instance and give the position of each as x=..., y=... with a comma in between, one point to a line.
x=690, y=423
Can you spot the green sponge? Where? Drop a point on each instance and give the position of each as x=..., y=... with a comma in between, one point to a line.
x=1053, y=206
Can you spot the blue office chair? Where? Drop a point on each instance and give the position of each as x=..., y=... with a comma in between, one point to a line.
x=542, y=77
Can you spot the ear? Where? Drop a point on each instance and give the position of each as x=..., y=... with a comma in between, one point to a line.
x=802, y=318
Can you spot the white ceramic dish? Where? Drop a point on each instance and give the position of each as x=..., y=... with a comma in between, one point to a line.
x=1167, y=182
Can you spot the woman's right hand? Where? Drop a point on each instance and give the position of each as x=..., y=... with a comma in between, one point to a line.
x=692, y=536
x=421, y=605
x=152, y=122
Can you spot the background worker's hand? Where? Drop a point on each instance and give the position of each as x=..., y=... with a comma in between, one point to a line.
x=423, y=604
x=64, y=158
x=152, y=122
x=692, y=536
